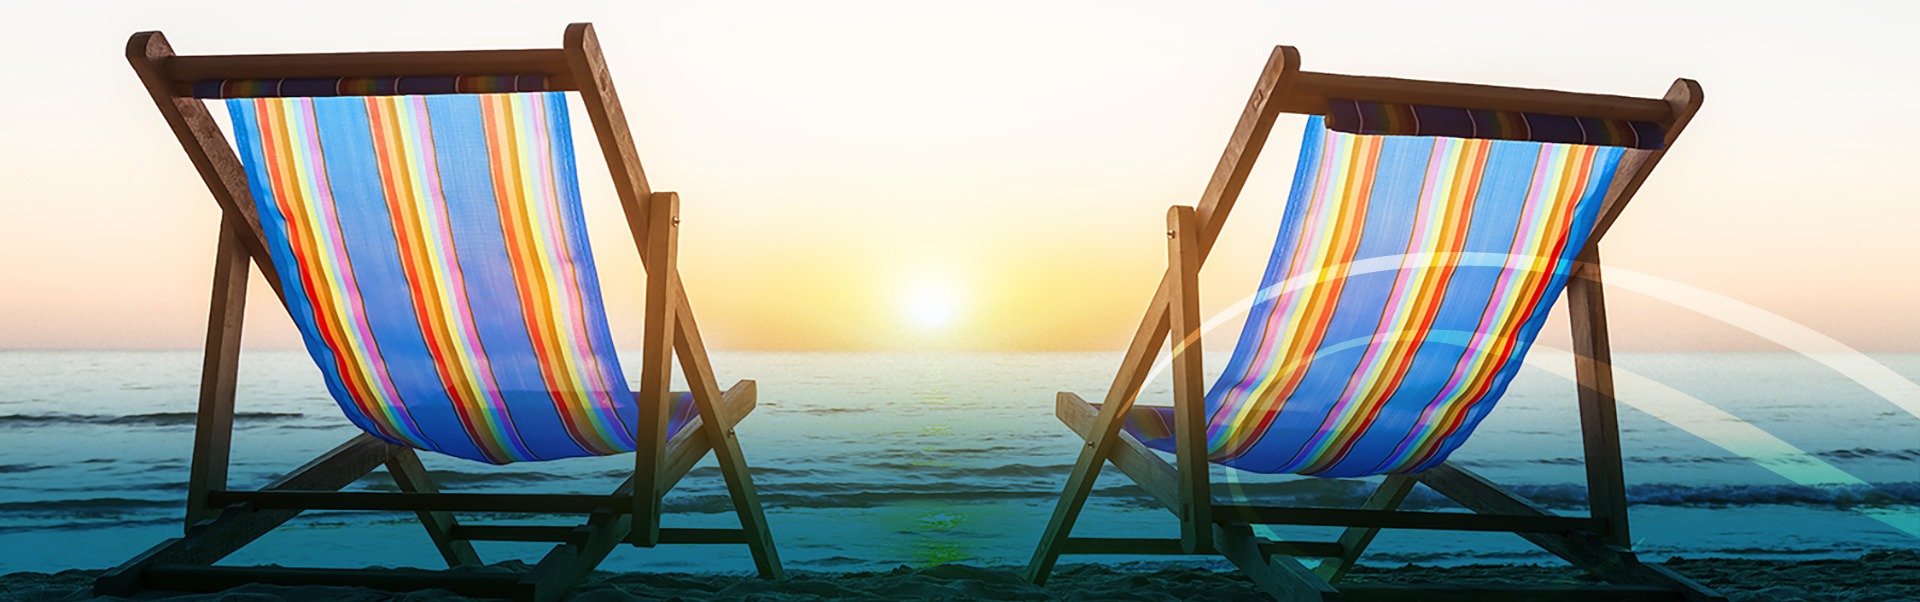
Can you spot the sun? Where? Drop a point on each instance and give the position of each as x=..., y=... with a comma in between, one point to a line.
x=930, y=306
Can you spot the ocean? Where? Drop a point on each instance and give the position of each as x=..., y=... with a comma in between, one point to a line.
x=868, y=461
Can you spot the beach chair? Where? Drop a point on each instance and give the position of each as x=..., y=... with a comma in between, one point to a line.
x=418, y=215
x=1430, y=227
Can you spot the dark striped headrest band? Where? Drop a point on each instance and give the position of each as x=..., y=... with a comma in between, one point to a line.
x=368, y=86
x=1379, y=118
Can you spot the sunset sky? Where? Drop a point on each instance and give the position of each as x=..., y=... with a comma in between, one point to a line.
x=994, y=175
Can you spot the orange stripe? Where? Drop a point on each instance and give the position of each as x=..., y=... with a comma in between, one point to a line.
x=1576, y=173
x=1324, y=300
x=1427, y=300
x=292, y=202
x=397, y=178
x=528, y=273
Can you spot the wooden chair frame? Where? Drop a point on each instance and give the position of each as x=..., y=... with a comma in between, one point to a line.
x=1598, y=543
x=220, y=520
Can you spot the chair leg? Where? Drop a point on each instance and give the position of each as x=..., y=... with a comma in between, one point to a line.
x=219, y=373
x=1280, y=575
x=733, y=468
x=707, y=398
x=240, y=525
x=1355, y=540
x=1072, y=499
x=412, y=477
x=567, y=564
x=746, y=504
x=1599, y=420
x=1189, y=380
x=1585, y=551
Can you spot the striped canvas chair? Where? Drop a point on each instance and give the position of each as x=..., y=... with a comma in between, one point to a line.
x=419, y=216
x=1430, y=228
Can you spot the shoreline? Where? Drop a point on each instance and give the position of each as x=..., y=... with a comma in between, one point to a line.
x=1876, y=576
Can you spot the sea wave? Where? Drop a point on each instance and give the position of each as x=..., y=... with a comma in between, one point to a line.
x=151, y=419
x=83, y=509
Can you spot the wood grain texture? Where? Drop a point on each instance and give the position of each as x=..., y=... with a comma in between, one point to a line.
x=550, y=62
x=1311, y=93
x=206, y=146
x=1189, y=380
x=1146, y=469
x=219, y=375
x=695, y=440
x=717, y=427
x=1249, y=137
x=589, y=70
x=654, y=394
x=1683, y=99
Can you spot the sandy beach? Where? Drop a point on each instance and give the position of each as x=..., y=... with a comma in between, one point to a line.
x=1873, y=577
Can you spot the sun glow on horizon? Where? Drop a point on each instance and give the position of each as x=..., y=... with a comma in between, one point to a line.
x=931, y=305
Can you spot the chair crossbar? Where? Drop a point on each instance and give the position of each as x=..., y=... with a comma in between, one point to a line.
x=1172, y=547
x=573, y=534
x=183, y=71
x=1400, y=519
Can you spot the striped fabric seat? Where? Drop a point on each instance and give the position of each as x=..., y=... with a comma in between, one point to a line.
x=1410, y=276
x=435, y=260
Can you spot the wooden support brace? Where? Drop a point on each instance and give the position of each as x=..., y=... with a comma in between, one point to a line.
x=694, y=440
x=411, y=477
x=1354, y=541
x=1585, y=551
x=1280, y=575
x=1148, y=471
x=717, y=427
x=239, y=525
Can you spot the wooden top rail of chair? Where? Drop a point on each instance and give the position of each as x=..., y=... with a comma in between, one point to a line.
x=1309, y=93
x=183, y=71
